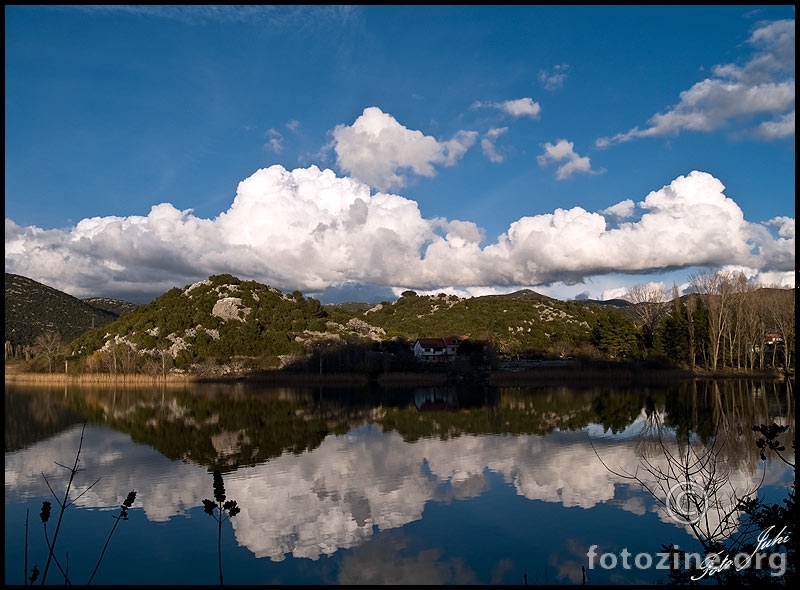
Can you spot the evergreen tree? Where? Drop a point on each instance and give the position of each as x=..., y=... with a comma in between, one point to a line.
x=615, y=335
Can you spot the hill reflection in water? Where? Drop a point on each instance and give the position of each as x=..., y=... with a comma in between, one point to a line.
x=467, y=485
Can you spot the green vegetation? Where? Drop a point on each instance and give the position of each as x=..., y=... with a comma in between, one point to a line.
x=224, y=326
x=32, y=309
x=615, y=335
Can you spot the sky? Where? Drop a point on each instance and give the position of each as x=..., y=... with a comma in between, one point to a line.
x=356, y=152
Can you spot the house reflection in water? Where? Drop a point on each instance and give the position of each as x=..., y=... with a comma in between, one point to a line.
x=440, y=399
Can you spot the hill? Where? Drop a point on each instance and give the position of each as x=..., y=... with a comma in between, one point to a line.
x=32, y=308
x=116, y=306
x=224, y=318
x=225, y=325
x=520, y=322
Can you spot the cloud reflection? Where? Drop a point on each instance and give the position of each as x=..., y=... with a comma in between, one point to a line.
x=336, y=496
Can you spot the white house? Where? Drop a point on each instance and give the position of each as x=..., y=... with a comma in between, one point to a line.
x=437, y=350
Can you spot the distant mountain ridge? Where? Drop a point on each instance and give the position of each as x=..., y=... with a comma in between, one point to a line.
x=115, y=306
x=32, y=308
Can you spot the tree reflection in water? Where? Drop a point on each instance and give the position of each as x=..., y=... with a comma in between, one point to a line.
x=689, y=461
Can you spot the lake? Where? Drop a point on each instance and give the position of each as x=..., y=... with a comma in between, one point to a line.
x=359, y=485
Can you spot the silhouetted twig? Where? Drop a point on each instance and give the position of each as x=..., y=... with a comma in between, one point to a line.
x=63, y=504
x=222, y=506
x=123, y=515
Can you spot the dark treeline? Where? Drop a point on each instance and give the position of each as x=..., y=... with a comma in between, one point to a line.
x=726, y=323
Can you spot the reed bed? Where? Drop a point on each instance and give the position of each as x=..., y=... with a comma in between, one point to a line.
x=543, y=375
x=96, y=379
x=139, y=380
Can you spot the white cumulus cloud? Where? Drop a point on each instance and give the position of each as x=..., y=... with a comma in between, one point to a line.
x=310, y=229
x=563, y=151
x=378, y=150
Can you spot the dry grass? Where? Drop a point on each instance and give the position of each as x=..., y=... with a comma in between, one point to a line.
x=620, y=375
x=137, y=380
x=95, y=379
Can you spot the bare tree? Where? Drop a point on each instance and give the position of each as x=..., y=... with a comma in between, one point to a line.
x=649, y=303
x=127, y=358
x=750, y=330
x=716, y=289
x=166, y=358
x=111, y=356
x=691, y=306
x=742, y=292
x=48, y=344
x=781, y=315
x=151, y=366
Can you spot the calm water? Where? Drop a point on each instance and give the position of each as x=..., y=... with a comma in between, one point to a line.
x=338, y=486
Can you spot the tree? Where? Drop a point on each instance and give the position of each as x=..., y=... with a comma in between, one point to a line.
x=782, y=317
x=648, y=303
x=615, y=335
x=752, y=329
x=716, y=290
x=736, y=327
x=48, y=344
x=675, y=332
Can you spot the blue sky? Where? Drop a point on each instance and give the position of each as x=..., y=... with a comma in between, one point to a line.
x=356, y=152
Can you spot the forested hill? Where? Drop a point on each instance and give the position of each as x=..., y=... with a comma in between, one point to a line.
x=517, y=322
x=32, y=308
x=224, y=317
x=230, y=321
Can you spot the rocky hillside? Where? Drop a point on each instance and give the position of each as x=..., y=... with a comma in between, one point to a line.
x=226, y=321
x=523, y=321
x=224, y=317
x=32, y=308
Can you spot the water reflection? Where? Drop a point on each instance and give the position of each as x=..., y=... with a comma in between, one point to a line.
x=321, y=472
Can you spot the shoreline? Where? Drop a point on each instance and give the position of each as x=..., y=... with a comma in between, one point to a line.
x=621, y=375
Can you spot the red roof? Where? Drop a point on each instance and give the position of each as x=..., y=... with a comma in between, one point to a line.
x=432, y=342
x=441, y=342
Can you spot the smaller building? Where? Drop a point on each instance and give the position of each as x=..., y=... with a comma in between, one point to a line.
x=437, y=350
x=773, y=338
